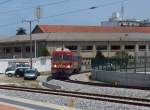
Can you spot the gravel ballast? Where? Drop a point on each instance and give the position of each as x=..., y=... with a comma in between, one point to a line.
x=83, y=104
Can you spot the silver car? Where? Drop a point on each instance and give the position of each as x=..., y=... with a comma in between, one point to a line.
x=31, y=74
x=10, y=71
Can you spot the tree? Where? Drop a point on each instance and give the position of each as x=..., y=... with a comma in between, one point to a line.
x=98, y=60
x=45, y=52
x=122, y=57
x=21, y=31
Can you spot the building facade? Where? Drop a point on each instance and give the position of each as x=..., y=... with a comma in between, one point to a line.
x=116, y=20
x=83, y=40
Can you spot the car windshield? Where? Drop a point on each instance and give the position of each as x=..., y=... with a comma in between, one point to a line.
x=22, y=65
x=30, y=71
x=10, y=69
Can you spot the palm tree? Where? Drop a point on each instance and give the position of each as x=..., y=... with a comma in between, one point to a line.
x=21, y=31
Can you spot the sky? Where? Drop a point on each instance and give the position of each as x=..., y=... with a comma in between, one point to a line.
x=66, y=12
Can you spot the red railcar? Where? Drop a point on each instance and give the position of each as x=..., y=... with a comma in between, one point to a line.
x=65, y=63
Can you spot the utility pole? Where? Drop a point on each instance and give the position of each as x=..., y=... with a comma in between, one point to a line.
x=145, y=56
x=30, y=23
x=108, y=51
x=121, y=60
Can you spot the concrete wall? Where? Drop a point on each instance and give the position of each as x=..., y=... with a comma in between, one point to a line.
x=122, y=78
x=43, y=64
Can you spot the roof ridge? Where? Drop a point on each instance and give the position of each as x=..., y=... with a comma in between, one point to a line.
x=86, y=28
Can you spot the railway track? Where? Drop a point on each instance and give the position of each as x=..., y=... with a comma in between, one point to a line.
x=105, y=84
x=91, y=96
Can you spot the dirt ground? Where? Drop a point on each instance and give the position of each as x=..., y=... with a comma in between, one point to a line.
x=5, y=80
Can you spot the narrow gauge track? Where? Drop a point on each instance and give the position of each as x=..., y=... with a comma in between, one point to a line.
x=100, y=97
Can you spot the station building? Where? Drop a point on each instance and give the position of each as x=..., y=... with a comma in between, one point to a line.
x=86, y=40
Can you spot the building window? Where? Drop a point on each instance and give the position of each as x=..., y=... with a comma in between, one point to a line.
x=86, y=47
x=1, y=50
x=149, y=47
x=8, y=50
x=115, y=47
x=72, y=47
x=27, y=49
x=129, y=47
x=17, y=49
x=142, y=47
x=101, y=47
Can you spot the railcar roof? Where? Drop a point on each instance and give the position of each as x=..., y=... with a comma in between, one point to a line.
x=63, y=52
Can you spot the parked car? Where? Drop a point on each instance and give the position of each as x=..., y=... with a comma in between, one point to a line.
x=22, y=65
x=19, y=72
x=108, y=67
x=31, y=74
x=10, y=71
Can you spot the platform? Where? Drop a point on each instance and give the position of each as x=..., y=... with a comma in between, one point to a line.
x=13, y=103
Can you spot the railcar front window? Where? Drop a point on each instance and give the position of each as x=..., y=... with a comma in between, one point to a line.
x=62, y=58
x=58, y=58
x=67, y=58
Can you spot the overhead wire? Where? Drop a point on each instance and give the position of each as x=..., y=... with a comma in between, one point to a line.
x=10, y=24
x=6, y=1
x=40, y=5
x=85, y=9
x=76, y=11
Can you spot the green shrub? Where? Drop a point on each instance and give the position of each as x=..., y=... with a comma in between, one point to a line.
x=45, y=52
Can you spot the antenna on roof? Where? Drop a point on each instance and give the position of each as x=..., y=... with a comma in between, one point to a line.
x=122, y=10
x=38, y=13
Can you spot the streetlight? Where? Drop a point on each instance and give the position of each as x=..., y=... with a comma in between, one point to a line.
x=30, y=23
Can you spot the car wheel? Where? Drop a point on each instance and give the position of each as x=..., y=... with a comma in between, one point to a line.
x=17, y=75
x=9, y=75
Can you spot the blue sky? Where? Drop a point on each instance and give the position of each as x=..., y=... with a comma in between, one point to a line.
x=13, y=12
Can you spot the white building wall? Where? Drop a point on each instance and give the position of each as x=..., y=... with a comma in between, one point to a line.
x=43, y=64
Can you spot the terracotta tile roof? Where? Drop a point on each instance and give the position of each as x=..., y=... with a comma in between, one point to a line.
x=75, y=28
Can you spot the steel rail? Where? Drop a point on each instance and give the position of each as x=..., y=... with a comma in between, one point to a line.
x=100, y=97
x=105, y=84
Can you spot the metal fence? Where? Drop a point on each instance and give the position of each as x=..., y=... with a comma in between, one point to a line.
x=138, y=62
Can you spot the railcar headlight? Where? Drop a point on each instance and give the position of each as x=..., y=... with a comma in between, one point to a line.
x=55, y=66
x=68, y=66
